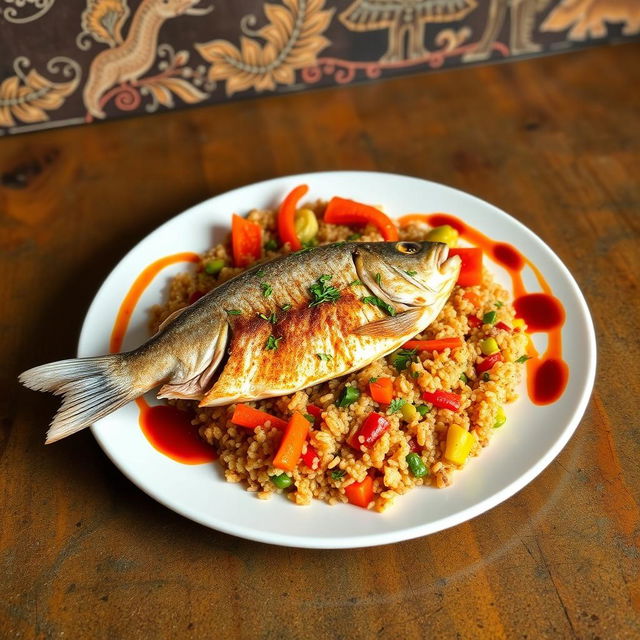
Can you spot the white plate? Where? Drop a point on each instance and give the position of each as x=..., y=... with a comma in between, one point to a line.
x=532, y=438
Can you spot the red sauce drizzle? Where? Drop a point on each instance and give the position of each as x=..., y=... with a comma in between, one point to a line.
x=167, y=429
x=547, y=375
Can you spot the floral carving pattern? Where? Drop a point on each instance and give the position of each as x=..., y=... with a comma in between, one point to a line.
x=12, y=14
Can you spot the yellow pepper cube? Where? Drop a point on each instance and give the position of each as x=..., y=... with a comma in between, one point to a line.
x=459, y=444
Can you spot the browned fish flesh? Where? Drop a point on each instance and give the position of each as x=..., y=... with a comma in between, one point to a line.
x=278, y=327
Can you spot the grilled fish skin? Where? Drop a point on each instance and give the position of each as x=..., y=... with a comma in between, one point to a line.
x=265, y=333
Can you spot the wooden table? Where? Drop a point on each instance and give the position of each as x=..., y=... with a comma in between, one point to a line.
x=85, y=554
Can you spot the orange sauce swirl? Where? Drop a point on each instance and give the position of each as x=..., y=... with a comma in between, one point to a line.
x=547, y=375
x=166, y=428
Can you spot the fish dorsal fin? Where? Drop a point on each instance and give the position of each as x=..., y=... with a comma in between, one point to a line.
x=402, y=324
x=170, y=318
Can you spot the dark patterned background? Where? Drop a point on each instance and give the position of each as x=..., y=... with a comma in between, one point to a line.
x=65, y=62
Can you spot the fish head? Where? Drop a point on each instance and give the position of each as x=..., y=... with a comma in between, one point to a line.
x=407, y=274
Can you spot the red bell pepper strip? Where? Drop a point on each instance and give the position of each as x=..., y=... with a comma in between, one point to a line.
x=291, y=444
x=343, y=211
x=443, y=399
x=316, y=412
x=369, y=432
x=246, y=416
x=488, y=362
x=503, y=326
x=287, y=217
x=246, y=241
x=381, y=390
x=360, y=493
x=471, y=269
x=433, y=345
x=474, y=321
x=310, y=456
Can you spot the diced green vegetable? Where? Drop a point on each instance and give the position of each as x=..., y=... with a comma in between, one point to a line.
x=416, y=465
x=306, y=225
x=324, y=356
x=501, y=418
x=348, y=397
x=378, y=278
x=260, y=273
x=423, y=409
x=271, y=245
x=282, y=481
x=415, y=375
x=338, y=474
x=523, y=359
x=267, y=289
x=214, y=267
x=411, y=273
x=272, y=343
x=490, y=317
x=310, y=418
x=489, y=346
x=499, y=304
x=353, y=237
x=486, y=377
x=445, y=233
x=464, y=378
x=409, y=412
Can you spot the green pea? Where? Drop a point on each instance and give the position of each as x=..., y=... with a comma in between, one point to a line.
x=423, y=409
x=501, y=418
x=349, y=396
x=490, y=317
x=214, y=267
x=282, y=481
x=416, y=465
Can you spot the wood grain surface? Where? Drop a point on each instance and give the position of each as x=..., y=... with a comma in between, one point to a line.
x=85, y=554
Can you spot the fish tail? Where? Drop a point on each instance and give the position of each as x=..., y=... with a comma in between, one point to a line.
x=91, y=388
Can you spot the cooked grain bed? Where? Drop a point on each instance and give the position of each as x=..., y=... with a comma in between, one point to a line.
x=247, y=455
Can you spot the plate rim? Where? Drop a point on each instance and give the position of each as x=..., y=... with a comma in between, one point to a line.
x=398, y=535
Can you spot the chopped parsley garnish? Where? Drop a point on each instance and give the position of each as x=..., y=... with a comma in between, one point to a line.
x=271, y=245
x=286, y=307
x=464, y=378
x=397, y=404
x=260, y=273
x=378, y=278
x=403, y=357
x=322, y=292
x=310, y=418
x=486, y=377
x=411, y=273
x=415, y=374
x=338, y=474
x=324, y=356
x=523, y=359
x=233, y=312
x=499, y=304
x=381, y=304
x=272, y=343
x=355, y=282
x=373, y=379
x=309, y=244
x=267, y=289
x=272, y=317
x=349, y=396
x=353, y=237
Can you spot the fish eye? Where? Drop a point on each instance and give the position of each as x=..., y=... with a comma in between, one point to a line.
x=408, y=247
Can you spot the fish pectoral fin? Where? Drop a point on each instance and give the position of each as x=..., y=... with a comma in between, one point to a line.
x=170, y=318
x=402, y=324
x=195, y=388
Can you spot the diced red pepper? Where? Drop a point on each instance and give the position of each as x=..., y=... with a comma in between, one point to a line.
x=433, y=345
x=474, y=321
x=360, y=493
x=287, y=217
x=443, y=399
x=503, y=326
x=488, y=362
x=314, y=411
x=310, y=456
x=344, y=211
x=471, y=269
x=414, y=446
x=382, y=390
x=369, y=432
x=246, y=241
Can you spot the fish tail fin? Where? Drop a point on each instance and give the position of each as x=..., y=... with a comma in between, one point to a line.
x=91, y=388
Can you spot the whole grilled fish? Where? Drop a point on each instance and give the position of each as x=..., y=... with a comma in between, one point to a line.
x=279, y=327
